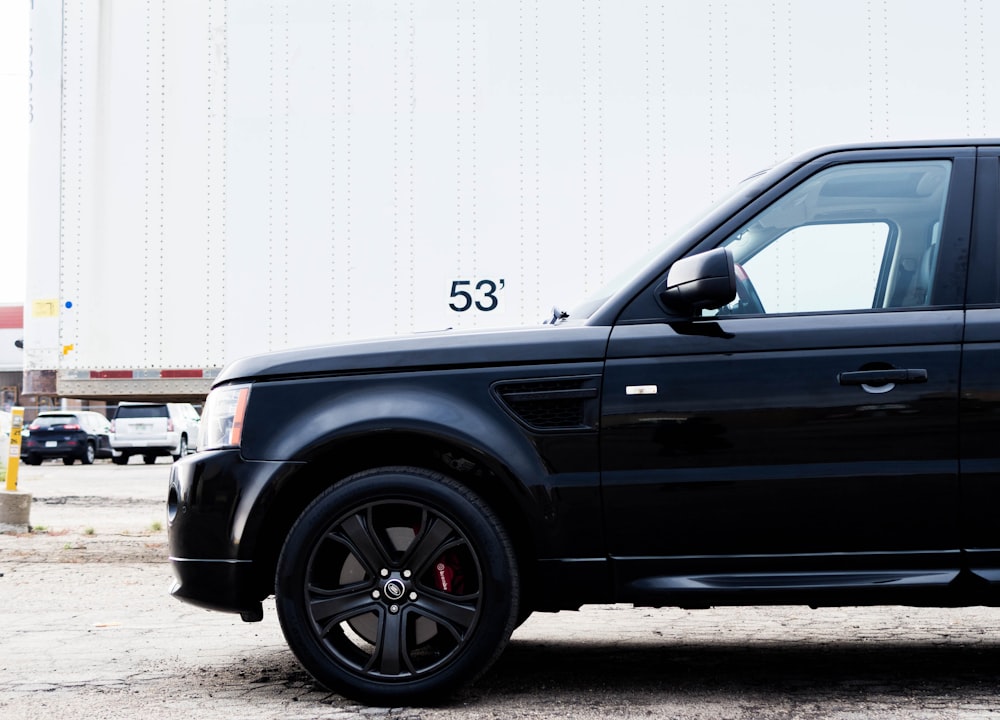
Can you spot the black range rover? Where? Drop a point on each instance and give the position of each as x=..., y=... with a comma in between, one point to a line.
x=797, y=400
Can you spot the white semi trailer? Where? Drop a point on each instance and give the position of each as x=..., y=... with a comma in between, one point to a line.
x=213, y=178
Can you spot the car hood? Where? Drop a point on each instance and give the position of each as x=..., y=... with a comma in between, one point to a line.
x=426, y=351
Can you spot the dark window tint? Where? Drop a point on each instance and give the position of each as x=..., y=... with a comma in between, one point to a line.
x=141, y=411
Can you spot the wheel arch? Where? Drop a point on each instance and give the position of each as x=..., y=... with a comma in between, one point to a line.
x=483, y=473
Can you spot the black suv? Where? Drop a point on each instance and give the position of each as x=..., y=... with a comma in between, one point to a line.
x=82, y=435
x=797, y=400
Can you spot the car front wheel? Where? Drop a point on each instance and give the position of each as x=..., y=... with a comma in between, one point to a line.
x=397, y=585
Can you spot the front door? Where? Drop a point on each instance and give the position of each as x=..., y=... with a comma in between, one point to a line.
x=803, y=438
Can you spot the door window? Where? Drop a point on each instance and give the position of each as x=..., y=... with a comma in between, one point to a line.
x=853, y=237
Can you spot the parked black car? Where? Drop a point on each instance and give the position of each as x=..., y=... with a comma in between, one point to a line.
x=797, y=400
x=79, y=435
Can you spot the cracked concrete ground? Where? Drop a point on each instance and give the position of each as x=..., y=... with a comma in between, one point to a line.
x=89, y=631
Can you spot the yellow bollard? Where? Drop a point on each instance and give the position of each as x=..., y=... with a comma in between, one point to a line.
x=14, y=458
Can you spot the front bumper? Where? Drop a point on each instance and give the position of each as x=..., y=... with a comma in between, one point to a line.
x=217, y=585
x=214, y=517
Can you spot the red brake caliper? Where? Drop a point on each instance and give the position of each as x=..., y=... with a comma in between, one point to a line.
x=448, y=576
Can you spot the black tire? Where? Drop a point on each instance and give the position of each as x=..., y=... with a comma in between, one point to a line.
x=68, y=460
x=89, y=454
x=120, y=459
x=33, y=459
x=149, y=459
x=182, y=447
x=397, y=586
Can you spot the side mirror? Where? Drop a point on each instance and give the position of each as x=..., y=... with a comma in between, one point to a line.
x=701, y=282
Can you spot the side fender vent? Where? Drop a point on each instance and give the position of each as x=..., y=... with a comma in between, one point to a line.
x=552, y=403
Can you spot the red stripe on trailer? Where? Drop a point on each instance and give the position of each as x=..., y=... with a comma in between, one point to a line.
x=146, y=374
x=182, y=373
x=110, y=374
x=11, y=317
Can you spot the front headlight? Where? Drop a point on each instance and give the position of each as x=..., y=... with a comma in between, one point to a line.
x=222, y=417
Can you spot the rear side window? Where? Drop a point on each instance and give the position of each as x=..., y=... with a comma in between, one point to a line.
x=140, y=411
x=98, y=423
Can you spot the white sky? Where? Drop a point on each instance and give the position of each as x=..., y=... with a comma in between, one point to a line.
x=13, y=148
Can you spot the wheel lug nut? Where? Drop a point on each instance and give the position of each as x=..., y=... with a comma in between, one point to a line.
x=384, y=573
x=376, y=594
x=413, y=596
x=394, y=609
x=407, y=573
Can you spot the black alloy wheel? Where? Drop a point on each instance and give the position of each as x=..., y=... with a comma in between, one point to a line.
x=397, y=585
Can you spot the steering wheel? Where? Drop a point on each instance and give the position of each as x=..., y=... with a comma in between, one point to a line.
x=749, y=301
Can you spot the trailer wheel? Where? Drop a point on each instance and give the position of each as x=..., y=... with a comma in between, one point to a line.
x=396, y=586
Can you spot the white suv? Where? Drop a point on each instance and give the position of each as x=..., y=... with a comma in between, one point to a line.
x=152, y=429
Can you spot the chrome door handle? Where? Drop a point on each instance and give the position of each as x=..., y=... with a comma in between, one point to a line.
x=881, y=381
x=882, y=377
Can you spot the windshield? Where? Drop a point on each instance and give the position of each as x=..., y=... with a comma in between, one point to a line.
x=587, y=308
x=744, y=190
